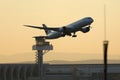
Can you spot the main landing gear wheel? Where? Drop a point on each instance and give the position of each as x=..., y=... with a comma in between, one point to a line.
x=74, y=36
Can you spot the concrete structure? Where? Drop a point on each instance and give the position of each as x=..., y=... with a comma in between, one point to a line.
x=58, y=72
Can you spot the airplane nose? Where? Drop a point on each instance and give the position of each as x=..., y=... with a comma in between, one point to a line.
x=92, y=20
x=89, y=19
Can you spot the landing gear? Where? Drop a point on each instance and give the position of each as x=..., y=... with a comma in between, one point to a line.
x=74, y=35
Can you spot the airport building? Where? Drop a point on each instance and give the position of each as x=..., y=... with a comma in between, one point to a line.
x=58, y=72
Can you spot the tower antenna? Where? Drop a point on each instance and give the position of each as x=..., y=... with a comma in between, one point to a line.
x=105, y=22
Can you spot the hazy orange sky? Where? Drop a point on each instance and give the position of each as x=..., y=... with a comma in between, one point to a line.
x=17, y=39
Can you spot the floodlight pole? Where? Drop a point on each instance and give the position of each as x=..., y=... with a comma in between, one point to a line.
x=105, y=44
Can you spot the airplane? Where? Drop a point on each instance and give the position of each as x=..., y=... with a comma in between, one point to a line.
x=82, y=25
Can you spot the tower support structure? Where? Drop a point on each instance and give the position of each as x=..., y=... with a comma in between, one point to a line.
x=41, y=46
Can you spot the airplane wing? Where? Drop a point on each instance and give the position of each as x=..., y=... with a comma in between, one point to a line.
x=54, y=29
x=34, y=26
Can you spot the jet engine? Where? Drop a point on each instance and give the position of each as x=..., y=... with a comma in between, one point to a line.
x=85, y=30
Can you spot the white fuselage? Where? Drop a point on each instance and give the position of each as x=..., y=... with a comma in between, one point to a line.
x=73, y=27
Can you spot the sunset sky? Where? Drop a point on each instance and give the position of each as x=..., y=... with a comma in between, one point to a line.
x=17, y=39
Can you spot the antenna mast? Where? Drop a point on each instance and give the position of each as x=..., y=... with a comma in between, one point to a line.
x=104, y=21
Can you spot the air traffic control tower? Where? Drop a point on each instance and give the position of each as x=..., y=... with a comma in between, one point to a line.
x=42, y=47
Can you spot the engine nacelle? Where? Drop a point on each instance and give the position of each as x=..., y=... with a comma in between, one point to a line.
x=84, y=30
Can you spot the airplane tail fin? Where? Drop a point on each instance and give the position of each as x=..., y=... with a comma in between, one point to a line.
x=46, y=30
